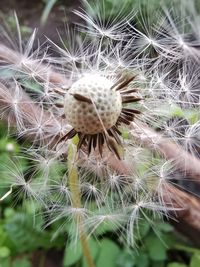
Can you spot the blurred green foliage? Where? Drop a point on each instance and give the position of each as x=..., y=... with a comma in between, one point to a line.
x=47, y=9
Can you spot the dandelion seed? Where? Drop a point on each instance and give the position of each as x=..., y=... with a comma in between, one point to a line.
x=6, y=194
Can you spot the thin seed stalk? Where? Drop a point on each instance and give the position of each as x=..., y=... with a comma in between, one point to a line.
x=76, y=198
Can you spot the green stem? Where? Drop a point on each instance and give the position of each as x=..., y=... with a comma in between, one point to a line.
x=76, y=199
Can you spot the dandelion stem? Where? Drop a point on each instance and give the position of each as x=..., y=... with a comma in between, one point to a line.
x=76, y=199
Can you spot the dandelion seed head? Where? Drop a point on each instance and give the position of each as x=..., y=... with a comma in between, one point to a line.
x=105, y=103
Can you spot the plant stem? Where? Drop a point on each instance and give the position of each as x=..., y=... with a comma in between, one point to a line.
x=186, y=248
x=76, y=199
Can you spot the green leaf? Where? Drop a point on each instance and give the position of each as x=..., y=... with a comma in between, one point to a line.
x=142, y=260
x=6, y=73
x=3, y=236
x=3, y=129
x=24, y=236
x=131, y=258
x=125, y=134
x=195, y=261
x=158, y=264
x=156, y=249
x=176, y=111
x=165, y=227
x=109, y=253
x=106, y=227
x=72, y=254
x=9, y=212
x=142, y=230
x=21, y=263
x=191, y=115
x=4, y=252
x=5, y=262
x=168, y=239
x=126, y=259
x=47, y=10
x=176, y=264
x=32, y=86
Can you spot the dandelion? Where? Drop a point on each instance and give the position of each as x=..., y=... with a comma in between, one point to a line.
x=92, y=107
x=97, y=102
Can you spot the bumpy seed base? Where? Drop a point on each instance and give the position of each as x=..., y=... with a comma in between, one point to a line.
x=85, y=117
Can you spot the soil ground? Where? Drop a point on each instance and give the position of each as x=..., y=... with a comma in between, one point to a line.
x=29, y=14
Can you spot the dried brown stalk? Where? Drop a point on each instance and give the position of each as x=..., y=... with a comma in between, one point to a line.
x=155, y=141
x=31, y=66
x=186, y=206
